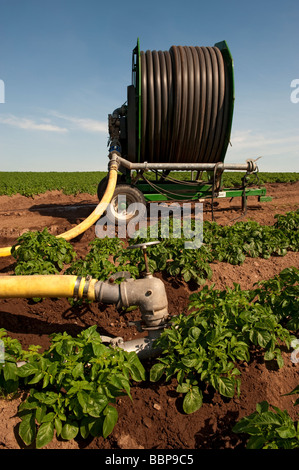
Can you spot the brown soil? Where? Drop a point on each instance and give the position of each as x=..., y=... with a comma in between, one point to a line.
x=155, y=419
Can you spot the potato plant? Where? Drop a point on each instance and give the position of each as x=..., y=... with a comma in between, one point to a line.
x=43, y=253
x=71, y=388
x=219, y=331
x=270, y=427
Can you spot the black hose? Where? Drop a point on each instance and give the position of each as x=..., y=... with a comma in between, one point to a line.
x=185, y=105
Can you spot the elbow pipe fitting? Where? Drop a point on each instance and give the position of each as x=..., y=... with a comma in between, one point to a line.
x=121, y=111
x=148, y=294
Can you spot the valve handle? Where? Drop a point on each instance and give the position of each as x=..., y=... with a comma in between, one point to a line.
x=144, y=246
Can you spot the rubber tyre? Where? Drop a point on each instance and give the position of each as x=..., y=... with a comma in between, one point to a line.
x=103, y=185
x=132, y=195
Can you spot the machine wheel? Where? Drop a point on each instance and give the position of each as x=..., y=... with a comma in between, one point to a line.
x=103, y=184
x=122, y=206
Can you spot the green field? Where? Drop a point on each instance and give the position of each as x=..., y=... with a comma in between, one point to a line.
x=31, y=183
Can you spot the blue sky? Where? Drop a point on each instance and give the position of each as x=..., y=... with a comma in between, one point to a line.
x=66, y=64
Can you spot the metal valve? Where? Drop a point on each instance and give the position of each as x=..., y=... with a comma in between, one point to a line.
x=144, y=246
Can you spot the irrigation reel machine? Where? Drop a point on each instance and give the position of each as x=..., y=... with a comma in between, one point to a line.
x=177, y=117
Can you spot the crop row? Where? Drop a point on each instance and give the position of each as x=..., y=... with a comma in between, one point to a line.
x=32, y=183
x=71, y=389
x=42, y=253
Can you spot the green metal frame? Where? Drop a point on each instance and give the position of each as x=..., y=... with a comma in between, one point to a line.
x=203, y=191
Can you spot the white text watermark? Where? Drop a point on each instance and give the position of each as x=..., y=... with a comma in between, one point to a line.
x=295, y=93
x=2, y=351
x=131, y=221
x=295, y=353
x=2, y=92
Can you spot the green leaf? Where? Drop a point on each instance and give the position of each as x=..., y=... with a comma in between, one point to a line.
x=121, y=383
x=279, y=359
x=99, y=349
x=69, y=431
x=27, y=369
x=192, y=401
x=156, y=372
x=226, y=386
x=48, y=398
x=256, y=442
x=27, y=429
x=183, y=388
x=269, y=355
x=262, y=407
x=37, y=378
x=46, y=380
x=92, y=403
x=187, y=276
x=78, y=371
x=58, y=425
x=190, y=362
x=194, y=333
x=10, y=371
x=137, y=370
x=243, y=425
x=110, y=420
x=45, y=434
x=48, y=417
x=84, y=427
x=40, y=413
x=96, y=427
x=267, y=418
x=286, y=432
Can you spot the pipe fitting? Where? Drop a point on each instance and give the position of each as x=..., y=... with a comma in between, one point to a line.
x=145, y=348
x=107, y=293
x=148, y=294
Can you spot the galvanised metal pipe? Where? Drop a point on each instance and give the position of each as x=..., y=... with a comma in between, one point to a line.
x=143, y=347
x=249, y=166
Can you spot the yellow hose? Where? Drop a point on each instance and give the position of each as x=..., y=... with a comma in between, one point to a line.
x=5, y=251
x=92, y=218
x=46, y=286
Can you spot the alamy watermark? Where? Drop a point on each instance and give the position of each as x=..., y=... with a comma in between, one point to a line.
x=165, y=220
x=2, y=92
x=295, y=93
x=2, y=351
x=295, y=352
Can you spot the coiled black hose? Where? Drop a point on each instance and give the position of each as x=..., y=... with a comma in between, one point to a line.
x=185, y=105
